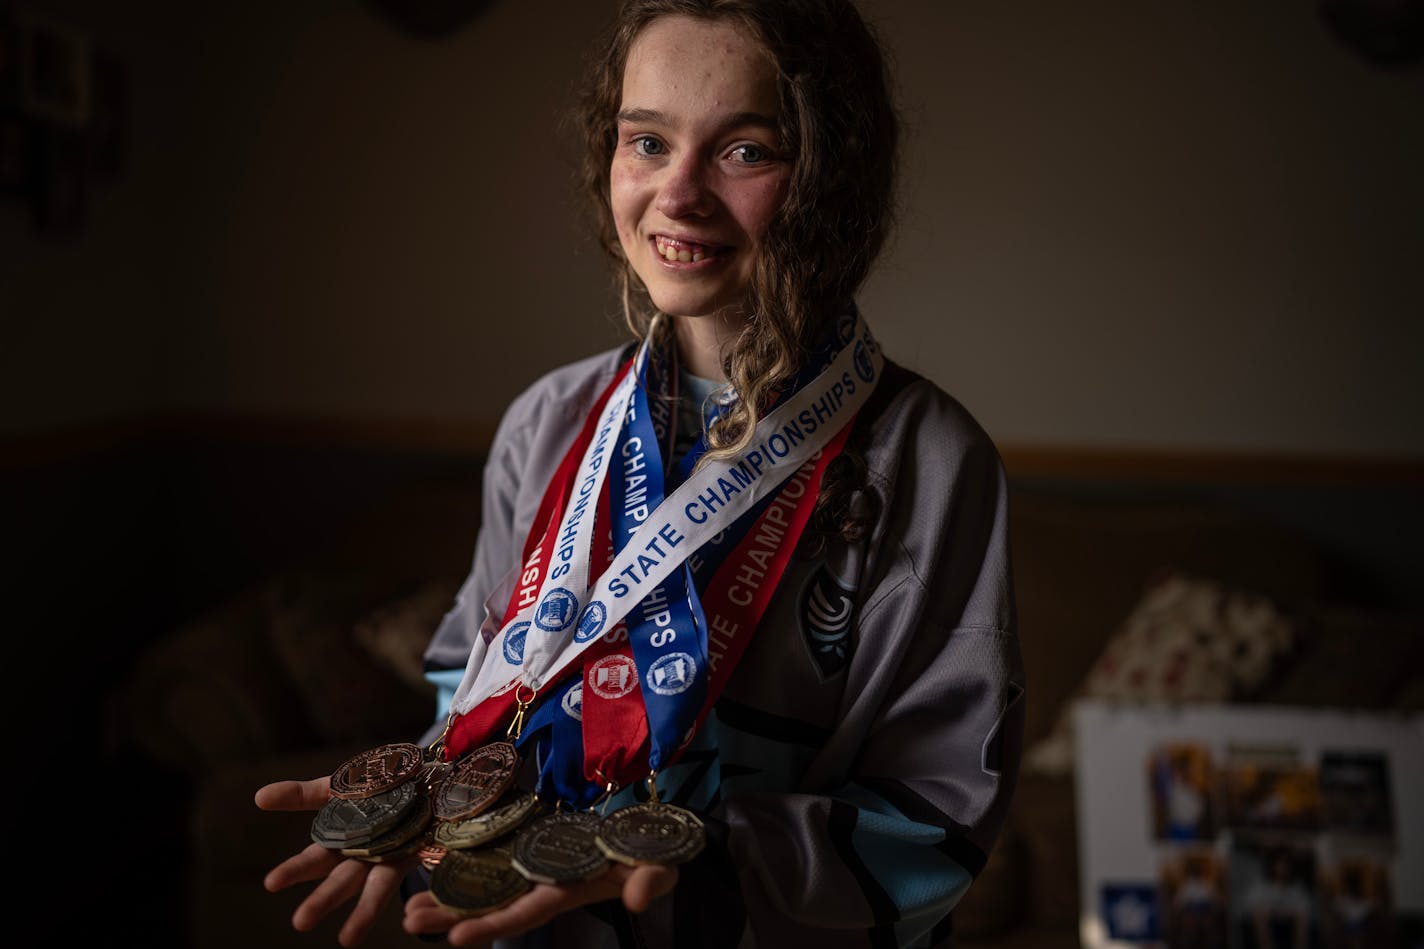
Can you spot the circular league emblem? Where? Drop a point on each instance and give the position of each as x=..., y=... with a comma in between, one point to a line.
x=672, y=674
x=845, y=326
x=514, y=643
x=573, y=702
x=613, y=677
x=557, y=611
x=592, y=623
x=863, y=368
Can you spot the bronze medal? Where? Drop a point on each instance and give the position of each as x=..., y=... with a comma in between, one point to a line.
x=376, y=770
x=354, y=822
x=651, y=833
x=477, y=781
x=506, y=815
x=472, y=883
x=559, y=848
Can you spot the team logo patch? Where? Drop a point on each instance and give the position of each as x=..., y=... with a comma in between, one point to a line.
x=825, y=615
x=514, y=643
x=573, y=702
x=592, y=623
x=672, y=674
x=556, y=611
x=863, y=366
x=612, y=677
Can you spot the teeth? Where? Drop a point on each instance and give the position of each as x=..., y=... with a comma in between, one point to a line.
x=669, y=251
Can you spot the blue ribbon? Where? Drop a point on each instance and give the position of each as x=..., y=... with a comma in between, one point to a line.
x=557, y=737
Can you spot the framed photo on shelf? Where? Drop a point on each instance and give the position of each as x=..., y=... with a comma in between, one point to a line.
x=1249, y=827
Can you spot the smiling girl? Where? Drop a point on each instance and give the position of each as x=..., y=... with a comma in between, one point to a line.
x=741, y=607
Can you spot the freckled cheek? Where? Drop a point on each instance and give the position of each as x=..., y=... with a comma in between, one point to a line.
x=625, y=197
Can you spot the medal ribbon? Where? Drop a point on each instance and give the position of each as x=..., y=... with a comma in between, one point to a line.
x=741, y=590
x=659, y=630
x=555, y=730
x=668, y=630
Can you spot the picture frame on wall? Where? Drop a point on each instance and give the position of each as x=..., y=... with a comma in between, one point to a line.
x=54, y=71
x=17, y=155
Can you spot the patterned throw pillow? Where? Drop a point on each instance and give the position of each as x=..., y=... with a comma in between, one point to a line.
x=1188, y=639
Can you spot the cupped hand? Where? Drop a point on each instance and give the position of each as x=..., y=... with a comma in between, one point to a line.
x=341, y=878
x=636, y=886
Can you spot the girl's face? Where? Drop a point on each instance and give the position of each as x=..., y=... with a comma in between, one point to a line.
x=697, y=173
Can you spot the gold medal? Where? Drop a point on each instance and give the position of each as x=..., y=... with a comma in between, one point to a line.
x=651, y=833
x=506, y=815
x=559, y=848
x=472, y=883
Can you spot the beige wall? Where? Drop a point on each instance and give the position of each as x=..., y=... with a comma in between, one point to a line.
x=1142, y=225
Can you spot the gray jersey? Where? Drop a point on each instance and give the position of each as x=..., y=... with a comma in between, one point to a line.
x=857, y=768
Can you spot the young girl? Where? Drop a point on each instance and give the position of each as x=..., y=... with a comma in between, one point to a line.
x=741, y=601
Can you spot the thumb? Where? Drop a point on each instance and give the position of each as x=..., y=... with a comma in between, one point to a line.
x=647, y=883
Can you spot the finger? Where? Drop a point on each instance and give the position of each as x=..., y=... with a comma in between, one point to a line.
x=341, y=884
x=381, y=884
x=313, y=863
x=424, y=915
x=531, y=910
x=293, y=795
x=645, y=884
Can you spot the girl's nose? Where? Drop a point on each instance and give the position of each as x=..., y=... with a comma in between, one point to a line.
x=684, y=191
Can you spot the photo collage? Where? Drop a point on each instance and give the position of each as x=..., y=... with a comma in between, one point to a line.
x=1266, y=847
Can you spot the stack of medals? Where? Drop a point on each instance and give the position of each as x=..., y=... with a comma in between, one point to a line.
x=484, y=841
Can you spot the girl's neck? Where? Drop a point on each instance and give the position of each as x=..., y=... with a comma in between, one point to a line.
x=702, y=340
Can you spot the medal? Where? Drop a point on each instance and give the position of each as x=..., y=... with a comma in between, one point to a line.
x=559, y=848
x=342, y=823
x=376, y=770
x=507, y=815
x=472, y=883
x=430, y=855
x=651, y=833
x=476, y=782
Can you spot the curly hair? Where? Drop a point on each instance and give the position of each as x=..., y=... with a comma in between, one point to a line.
x=838, y=125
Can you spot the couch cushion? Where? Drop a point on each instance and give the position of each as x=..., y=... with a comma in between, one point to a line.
x=349, y=694
x=1082, y=562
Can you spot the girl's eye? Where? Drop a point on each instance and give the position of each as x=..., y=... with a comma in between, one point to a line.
x=751, y=154
x=647, y=146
